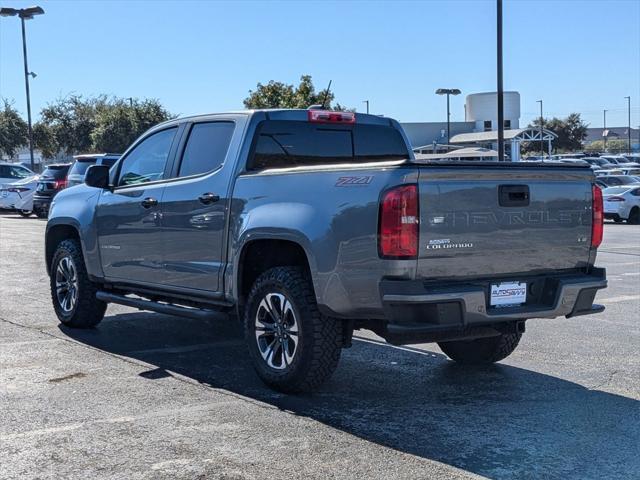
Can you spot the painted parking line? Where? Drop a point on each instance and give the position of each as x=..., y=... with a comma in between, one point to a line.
x=621, y=298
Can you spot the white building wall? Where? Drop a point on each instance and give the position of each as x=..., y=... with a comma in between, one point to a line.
x=483, y=107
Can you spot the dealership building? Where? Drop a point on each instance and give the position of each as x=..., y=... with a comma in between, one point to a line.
x=479, y=128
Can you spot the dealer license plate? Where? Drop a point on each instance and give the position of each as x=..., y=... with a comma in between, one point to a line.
x=508, y=293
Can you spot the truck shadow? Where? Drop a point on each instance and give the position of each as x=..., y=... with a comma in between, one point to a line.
x=500, y=421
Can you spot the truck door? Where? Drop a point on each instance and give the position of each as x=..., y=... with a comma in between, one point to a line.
x=194, y=207
x=128, y=219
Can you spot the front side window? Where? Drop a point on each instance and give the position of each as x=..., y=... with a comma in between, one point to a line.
x=147, y=161
x=206, y=148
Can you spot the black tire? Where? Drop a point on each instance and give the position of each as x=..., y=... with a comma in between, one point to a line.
x=634, y=216
x=618, y=220
x=86, y=311
x=25, y=213
x=481, y=351
x=319, y=339
x=41, y=213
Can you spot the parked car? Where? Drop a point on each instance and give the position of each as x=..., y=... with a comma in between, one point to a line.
x=83, y=162
x=598, y=163
x=619, y=161
x=11, y=172
x=622, y=203
x=52, y=181
x=613, y=171
x=635, y=171
x=618, y=180
x=18, y=196
x=633, y=157
x=310, y=224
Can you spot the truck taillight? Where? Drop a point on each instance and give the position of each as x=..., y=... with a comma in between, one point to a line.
x=399, y=223
x=327, y=116
x=598, y=217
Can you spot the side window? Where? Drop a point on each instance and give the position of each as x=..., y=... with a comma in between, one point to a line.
x=18, y=172
x=4, y=171
x=206, y=148
x=147, y=161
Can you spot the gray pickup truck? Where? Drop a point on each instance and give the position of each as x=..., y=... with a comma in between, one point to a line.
x=309, y=224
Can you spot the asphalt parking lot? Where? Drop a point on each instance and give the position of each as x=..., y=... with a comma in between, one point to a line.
x=152, y=396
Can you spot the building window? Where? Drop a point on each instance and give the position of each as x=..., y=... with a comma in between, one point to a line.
x=507, y=124
x=487, y=125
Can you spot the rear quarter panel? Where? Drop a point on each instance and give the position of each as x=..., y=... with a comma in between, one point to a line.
x=332, y=213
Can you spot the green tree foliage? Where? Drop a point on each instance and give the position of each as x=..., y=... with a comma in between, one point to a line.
x=75, y=124
x=613, y=145
x=571, y=133
x=13, y=130
x=121, y=122
x=281, y=95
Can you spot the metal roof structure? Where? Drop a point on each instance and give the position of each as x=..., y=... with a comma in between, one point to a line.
x=462, y=153
x=522, y=134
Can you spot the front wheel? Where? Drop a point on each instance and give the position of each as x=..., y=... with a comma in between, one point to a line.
x=481, y=351
x=72, y=293
x=294, y=348
x=25, y=213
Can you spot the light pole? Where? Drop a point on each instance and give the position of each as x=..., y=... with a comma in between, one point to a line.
x=448, y=92
x=629, y=122
x=367, y=102
x=500, y=83
x=541, y=130
x=604, y=130
x=25, y=14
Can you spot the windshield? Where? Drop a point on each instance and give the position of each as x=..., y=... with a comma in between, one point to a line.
x=80, y=167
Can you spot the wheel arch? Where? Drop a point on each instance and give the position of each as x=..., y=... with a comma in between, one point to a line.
x=261, y=252
x=55, y=234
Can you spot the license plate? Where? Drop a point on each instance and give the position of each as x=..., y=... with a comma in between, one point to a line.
x=508, y=293
x=610, y=208
x=40, y=187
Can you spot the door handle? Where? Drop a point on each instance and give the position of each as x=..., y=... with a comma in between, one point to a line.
x=208, y=198
x=149, y=202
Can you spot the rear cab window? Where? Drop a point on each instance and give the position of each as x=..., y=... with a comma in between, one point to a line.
x=286, y=143
x=56, y=171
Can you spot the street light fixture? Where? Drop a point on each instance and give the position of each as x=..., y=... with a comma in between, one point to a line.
x=448, y=92
x=25, y=14
x=367, y=102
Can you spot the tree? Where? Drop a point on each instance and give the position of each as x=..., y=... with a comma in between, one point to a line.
x=66, y=124
x=13, y=130
x=121, y=122
x=613, y=145
x=571, y=133
x=281, y=95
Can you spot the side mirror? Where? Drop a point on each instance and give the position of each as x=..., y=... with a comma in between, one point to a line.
x=97, y=176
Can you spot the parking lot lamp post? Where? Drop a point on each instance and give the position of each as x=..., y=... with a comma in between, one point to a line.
x=448, y=92
x=25, y=14
x=604, y=130
x=367, y=102
x=629, y=122
x=541, y=130
x=500, y=81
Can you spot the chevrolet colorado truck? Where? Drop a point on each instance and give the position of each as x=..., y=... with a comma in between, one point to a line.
x=309, y=224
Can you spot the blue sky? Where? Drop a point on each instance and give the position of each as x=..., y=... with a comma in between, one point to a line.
x=195, y=57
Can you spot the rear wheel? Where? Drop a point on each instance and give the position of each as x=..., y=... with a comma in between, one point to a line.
x=41, y=213
x=25, y=213
x=72, y=293
x=482, y=350
x=294, y=348
x=634, y=216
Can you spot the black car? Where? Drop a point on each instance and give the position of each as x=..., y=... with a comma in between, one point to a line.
x=52, y=180
x=83, y=162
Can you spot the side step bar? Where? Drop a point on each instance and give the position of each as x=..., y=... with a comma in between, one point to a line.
x=196, y=313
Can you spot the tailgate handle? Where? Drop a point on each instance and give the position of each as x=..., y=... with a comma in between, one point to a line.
x=513, y=195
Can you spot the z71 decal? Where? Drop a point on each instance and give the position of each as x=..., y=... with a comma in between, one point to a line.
x=353, y=181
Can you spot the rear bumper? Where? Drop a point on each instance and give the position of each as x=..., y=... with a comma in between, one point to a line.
x=414, y=309
x=42, y=203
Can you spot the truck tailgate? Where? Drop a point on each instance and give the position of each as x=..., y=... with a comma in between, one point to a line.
x=498, y=221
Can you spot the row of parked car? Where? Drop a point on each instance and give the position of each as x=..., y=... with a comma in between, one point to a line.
x=618, y=176
x=27, y=193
